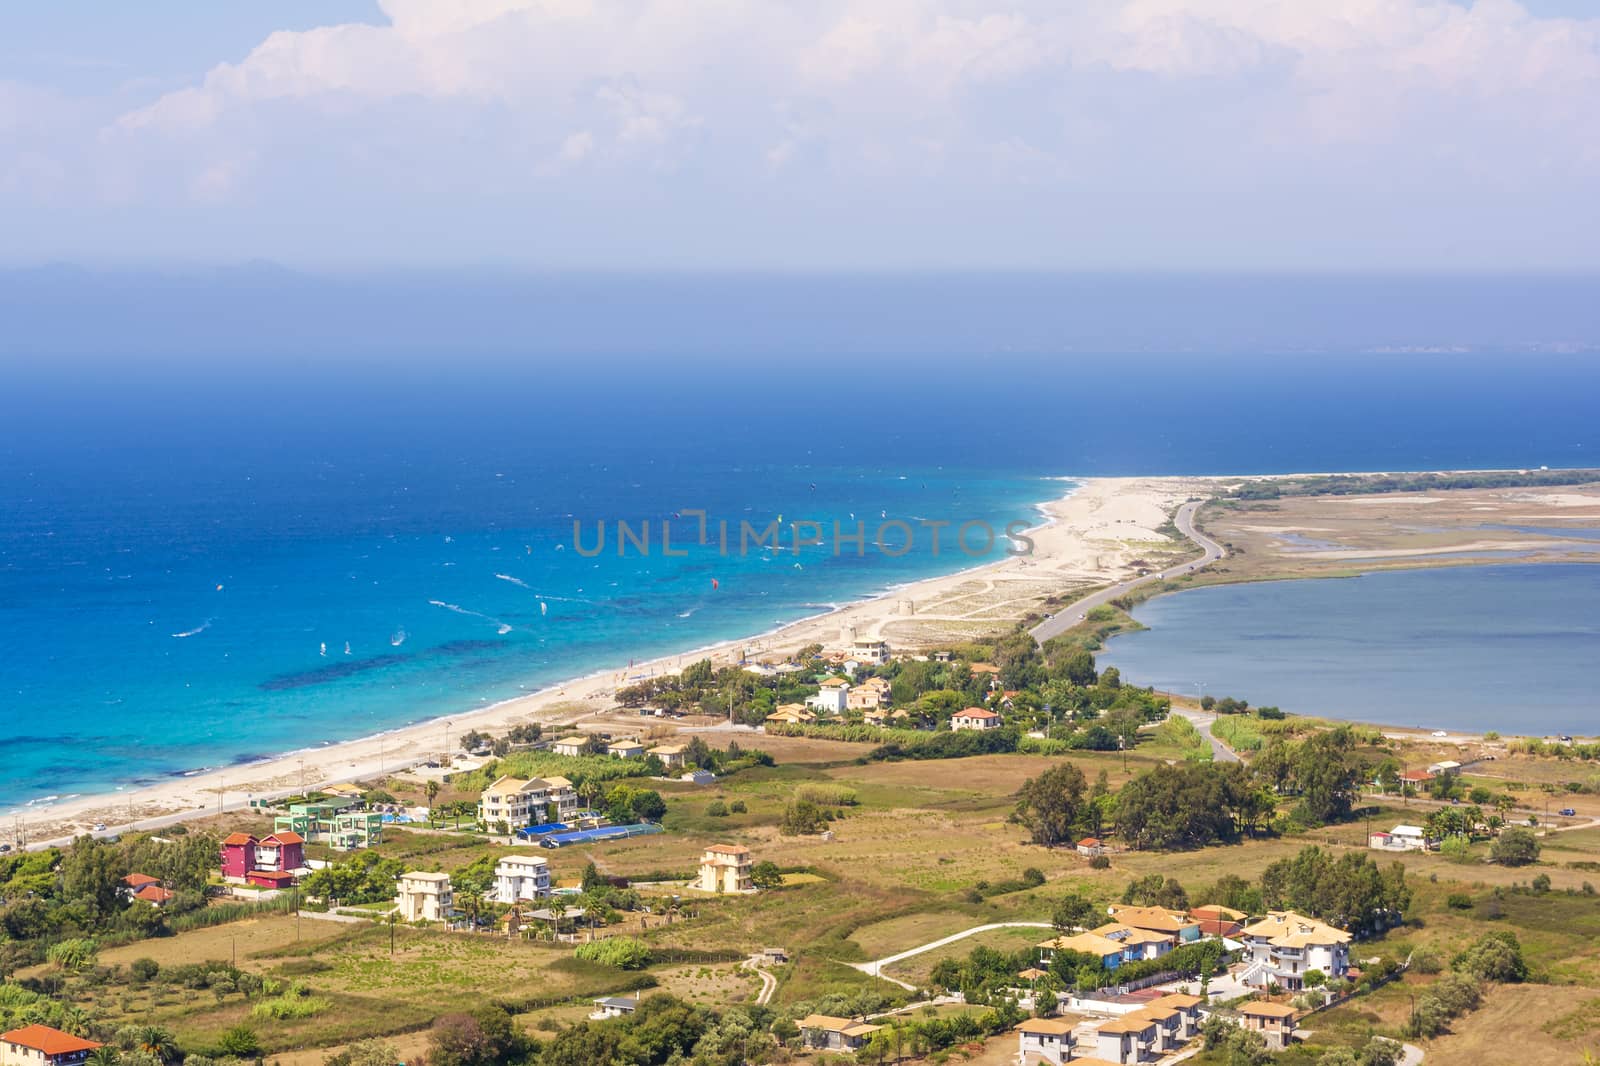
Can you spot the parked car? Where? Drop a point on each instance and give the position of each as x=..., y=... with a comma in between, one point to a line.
x=1568, y=812
x=1440, y=733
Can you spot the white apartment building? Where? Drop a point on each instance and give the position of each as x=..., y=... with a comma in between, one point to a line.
x=518, y=878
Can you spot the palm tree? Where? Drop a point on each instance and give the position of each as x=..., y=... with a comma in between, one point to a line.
x=158, y=1042
x=105, y=1055
x=432, y=789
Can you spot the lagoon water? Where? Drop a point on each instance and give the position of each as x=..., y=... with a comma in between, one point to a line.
x=1508, y=648
x=177, y=546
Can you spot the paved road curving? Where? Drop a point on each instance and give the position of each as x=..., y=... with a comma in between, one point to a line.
x=875, y=967
x=1070, y=615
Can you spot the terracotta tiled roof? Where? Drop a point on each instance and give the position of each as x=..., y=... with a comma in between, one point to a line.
x=238, y=838
x=48, y=1040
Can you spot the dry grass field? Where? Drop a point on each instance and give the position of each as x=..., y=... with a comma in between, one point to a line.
x=897, y=873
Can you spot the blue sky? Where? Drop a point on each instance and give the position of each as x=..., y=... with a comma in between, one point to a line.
x=837, y=134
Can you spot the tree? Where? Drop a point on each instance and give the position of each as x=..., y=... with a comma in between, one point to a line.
x=157, y=1042
x=765, y=874
x=1327, y=775
x=1049, y=805
x=432, y=791
x=800, y=818
x=1071, y=912
x=91, y=875
x=1515, y=847
x=1495, y=957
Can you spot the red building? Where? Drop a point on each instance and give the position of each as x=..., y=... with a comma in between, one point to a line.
x=281, y=852
x=269, y=862
x=238, y=856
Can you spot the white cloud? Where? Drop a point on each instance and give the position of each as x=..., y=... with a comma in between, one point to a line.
x=1209, y=104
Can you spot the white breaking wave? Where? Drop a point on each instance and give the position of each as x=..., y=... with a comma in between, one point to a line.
x=517, y=581
x=201, y=628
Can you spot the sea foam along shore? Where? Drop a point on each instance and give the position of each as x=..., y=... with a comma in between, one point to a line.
x=1089, y=537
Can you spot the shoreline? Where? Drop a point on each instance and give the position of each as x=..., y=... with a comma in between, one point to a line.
x=564, y=703
x=1091, y=536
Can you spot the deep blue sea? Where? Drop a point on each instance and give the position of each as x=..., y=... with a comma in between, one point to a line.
x=186, y=550
x=1507, y=648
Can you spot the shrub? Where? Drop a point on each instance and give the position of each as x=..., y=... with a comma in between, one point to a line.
x=1459, y=901
x=717, y=809
x=1100, y=862
x=1541, y=884
x=623, y=952
x=144, y=969
x=738, y=807
x=289, y=1006
x=826, y=795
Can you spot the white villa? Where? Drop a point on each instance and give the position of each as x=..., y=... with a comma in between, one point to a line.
x=625, y=749
x=1400, y=838
x=521, y=877
x=974, y=718
x=572, y=745
x=425, y=897
x=1284, y=945
x=832, y=697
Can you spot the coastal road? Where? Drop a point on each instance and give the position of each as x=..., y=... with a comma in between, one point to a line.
x=875, y=967
x=1220, y=752
x=1073, y=613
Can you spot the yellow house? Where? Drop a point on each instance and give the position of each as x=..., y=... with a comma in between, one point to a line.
x=572, y=745
x=791, y=714
x=671, y=755
x=726, y=868
x=425, y=897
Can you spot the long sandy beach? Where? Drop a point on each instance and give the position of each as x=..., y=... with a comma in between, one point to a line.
x=1101, y=531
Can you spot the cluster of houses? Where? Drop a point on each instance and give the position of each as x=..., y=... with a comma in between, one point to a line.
x=1278, y=951
x=425, y=896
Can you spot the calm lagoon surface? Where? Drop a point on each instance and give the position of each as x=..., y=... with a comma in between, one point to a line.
x=1508, y=648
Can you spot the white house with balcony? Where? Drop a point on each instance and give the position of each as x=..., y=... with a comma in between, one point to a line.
x=518, y=878
x=1284, y=946
x=832, y=697
x=519, y=802
x=425, y=897
x=1129, y=1039
x=1045, y=1039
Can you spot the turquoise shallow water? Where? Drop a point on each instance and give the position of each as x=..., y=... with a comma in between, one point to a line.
x=1509, y=648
